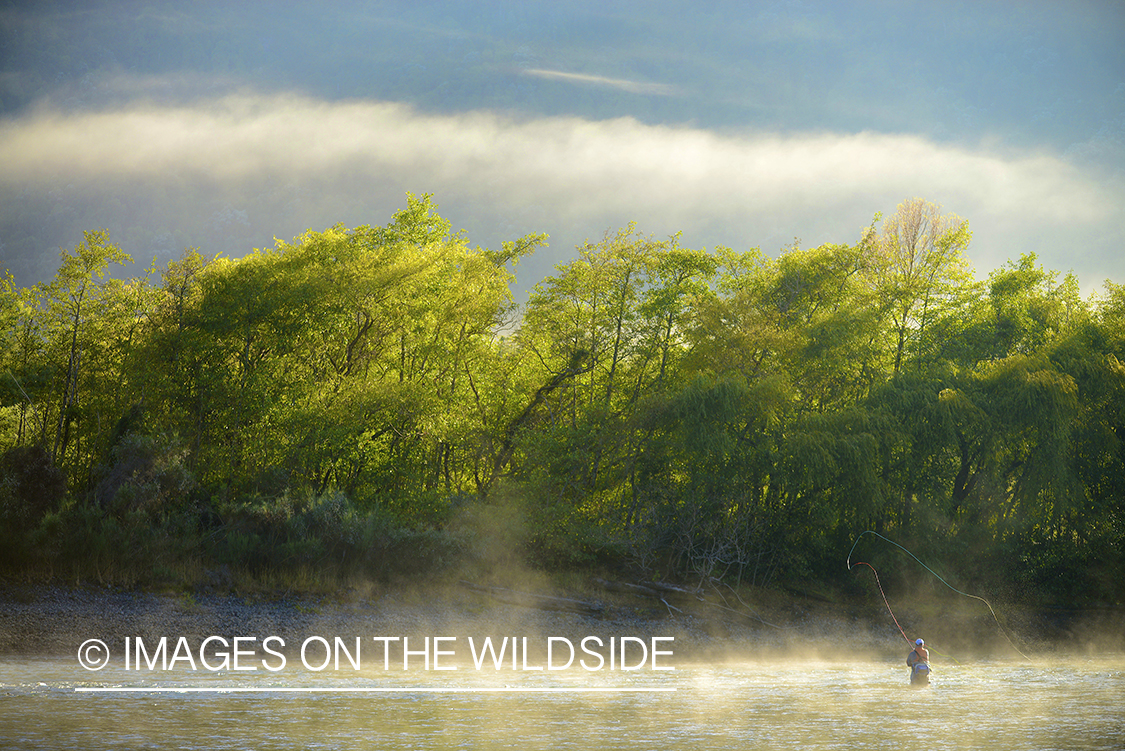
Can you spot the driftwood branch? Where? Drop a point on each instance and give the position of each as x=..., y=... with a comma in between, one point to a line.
x=671, y=607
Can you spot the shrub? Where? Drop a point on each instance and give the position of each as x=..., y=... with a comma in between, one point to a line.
x=31, y=487
x=145, y=473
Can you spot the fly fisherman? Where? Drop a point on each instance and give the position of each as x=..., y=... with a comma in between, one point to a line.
x=919, y=663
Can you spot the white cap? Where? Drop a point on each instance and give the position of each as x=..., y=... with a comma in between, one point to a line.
x=919, y=642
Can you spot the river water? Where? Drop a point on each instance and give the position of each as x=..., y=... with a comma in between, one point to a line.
x=1049, y=703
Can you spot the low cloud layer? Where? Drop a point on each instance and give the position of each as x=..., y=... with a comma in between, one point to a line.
x=738, y=189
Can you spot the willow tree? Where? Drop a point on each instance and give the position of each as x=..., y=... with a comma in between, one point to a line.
x=587, y=321
x=1030, y=306
x=352, y=358
x=24, y=377
x=408, y=337
x=801, y=335
x=807, y=316
x=606, y=337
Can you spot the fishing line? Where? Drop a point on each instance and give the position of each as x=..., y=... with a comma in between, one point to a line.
x=880, y=585
x=939, y=578
x=943, y=654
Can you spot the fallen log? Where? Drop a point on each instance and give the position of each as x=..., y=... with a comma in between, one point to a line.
x=673, y=589
x=542, y=602
x=633, y=589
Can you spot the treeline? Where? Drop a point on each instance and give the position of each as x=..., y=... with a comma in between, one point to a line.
x=360, y=401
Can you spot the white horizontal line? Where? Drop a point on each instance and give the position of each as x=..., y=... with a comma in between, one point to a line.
x=362, y=690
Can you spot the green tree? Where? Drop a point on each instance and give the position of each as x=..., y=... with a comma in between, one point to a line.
x=917, y=260
x=79, y=302
x=24, y=375
x=348, y=358
x=1030, y=307
x=808, y=315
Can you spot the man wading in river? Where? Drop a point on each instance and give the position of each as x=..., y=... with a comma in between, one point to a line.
x=919, y=663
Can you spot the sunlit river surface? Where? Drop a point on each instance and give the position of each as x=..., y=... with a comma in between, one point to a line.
x=1073, y=703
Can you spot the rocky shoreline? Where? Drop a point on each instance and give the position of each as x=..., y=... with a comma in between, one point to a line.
x=54, y=620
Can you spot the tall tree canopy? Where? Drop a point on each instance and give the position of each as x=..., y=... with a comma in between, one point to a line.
x=716, y=413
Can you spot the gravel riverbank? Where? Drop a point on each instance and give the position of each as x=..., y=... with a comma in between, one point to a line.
x=53, y=620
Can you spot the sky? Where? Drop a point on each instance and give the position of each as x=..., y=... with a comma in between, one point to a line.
x=223, y=126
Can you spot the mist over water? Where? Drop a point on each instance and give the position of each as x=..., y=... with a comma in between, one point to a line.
x=1066, y=702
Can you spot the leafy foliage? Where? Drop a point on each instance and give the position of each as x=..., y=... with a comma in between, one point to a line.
x=351, y=400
